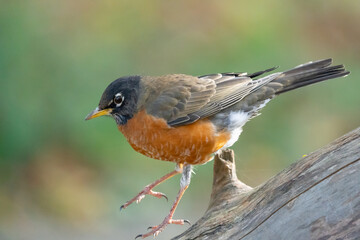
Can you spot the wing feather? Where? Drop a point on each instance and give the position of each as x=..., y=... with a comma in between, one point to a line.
x=180, y=96
x=185, y=99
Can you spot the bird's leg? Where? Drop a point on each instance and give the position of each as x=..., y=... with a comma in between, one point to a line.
x=184, y=184
x=148, y=189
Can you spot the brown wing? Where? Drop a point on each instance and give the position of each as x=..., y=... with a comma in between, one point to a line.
x=184, y=99
x=229, y=91
x=177, y=96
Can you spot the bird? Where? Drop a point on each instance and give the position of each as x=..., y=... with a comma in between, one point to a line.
x=187, y=119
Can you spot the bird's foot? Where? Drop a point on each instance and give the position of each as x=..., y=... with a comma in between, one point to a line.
x=184, y=183
x=146, y=191
x=155, y=230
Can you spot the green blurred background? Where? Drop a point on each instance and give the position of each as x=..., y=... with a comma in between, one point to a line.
x=63, y=178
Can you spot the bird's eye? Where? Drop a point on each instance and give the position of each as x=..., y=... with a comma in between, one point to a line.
x=118, y=99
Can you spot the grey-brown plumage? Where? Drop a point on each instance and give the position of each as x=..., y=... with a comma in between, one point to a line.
x=297, y=77
x=183, y=99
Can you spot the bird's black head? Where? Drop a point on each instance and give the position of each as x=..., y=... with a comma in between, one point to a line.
x=119, y=100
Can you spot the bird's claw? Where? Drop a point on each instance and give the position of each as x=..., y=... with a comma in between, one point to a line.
x=164, y=196
x=122, y=207
x=158, y=194
x=141, y=196
x=156, y=230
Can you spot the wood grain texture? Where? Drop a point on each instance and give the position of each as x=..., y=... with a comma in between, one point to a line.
x=318, y=197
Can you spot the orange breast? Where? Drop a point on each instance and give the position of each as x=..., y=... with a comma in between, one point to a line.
x=192, y=144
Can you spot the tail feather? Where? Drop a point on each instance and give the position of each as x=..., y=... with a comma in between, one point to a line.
x=310, y=66
x=256, y=74
x=309, y=73
x=297, y=77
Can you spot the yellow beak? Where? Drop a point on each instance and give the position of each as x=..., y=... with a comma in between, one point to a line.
x=97, y=113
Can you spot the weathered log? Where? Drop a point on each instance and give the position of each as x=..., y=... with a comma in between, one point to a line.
x=317, y=197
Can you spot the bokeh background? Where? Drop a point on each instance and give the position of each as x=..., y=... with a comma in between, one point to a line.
x=63, y=178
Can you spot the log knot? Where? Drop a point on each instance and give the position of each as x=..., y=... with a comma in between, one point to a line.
x=226, y=184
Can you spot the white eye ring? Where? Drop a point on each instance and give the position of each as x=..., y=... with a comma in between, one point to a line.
x=118, y=99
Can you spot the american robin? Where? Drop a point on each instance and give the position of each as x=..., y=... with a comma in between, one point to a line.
x=186, y=119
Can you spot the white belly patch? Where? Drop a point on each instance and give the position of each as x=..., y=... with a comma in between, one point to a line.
x=237, y=120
